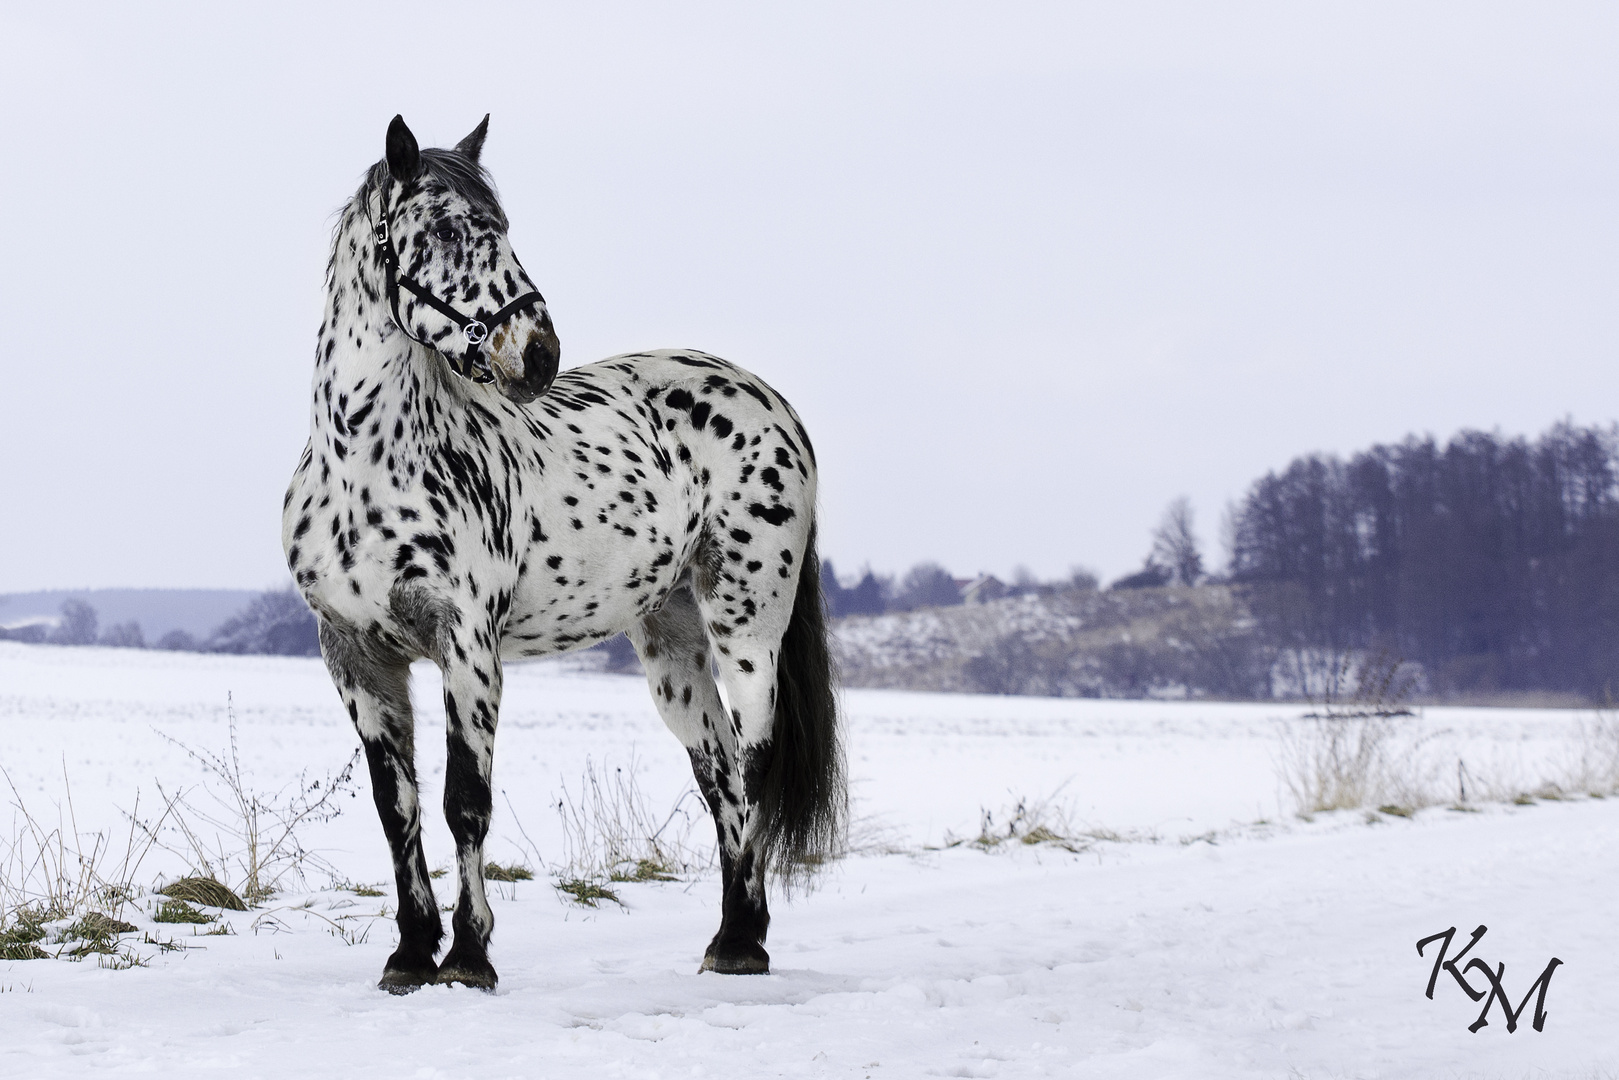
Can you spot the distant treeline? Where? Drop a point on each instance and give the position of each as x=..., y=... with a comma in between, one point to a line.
x=276, y=622
x=929, y=585
x=1492, y=561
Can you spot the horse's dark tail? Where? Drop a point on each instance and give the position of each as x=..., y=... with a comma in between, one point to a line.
x=804, y=801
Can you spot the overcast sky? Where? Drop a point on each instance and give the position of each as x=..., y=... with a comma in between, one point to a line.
x=1028, y=272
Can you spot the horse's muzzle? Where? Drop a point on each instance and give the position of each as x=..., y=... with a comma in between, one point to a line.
x=541, y=358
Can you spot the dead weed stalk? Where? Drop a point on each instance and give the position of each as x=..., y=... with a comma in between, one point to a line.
x=233, y=832
x=610, y=834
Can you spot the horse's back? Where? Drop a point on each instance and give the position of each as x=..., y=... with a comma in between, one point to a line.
x=728, y=391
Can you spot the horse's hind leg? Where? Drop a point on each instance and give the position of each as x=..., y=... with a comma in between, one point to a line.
x=674, y=651
x=376, y=692
x=472, y=686
x=748, y=668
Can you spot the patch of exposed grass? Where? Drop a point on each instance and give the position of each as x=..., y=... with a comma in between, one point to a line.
x=22, y=950
x=96, y=924
x=588, y=892
x=204, y=891
x=649, y=869
x=19, y=939
x=365, y=890
x=170, y=945
x=496, y=872
x=436, y=874
x=28, y=925
x=1394, y=811
x=94, y=934
x=122, y=960
x=178, y=911
x=1034, y=823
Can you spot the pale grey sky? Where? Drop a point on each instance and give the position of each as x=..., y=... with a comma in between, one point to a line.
x=1027, y=271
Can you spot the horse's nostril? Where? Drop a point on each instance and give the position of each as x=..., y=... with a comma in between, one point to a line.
x=540, y=362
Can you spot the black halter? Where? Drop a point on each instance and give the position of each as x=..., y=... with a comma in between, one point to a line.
x=474, y=329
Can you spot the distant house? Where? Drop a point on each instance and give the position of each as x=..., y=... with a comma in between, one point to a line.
x=31, y=630
x=981, y=589
x=1151, y=576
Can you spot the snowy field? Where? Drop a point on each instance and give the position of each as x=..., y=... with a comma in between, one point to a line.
x=1209, y=933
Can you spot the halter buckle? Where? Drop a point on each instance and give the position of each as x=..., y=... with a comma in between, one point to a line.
x=475, y=332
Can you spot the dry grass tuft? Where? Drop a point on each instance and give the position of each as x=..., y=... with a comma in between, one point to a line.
x=1043, y=822
x=22, y=950
x=496, y=872
x=644, y=870
x=588, y=893
x=611, y=835
x=178, y=911
x=19, y=940
x=204, y=891
x=1346, y=753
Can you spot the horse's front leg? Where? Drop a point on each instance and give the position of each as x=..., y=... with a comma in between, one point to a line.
x=472, y=685
x=376, y=692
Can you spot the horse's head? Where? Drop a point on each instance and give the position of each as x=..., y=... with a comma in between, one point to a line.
x=453, y=282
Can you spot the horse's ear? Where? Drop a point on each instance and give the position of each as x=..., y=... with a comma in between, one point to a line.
x=472, y=145
x=404, y=156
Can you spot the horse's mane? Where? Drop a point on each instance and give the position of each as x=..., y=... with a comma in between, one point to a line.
x=455, y=171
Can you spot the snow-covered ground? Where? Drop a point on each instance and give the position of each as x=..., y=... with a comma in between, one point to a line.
x=1221, y=936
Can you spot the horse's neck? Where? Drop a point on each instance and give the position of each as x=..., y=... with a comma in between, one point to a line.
x=373, y=386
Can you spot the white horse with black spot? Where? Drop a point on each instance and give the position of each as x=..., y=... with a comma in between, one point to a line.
x=459, y=500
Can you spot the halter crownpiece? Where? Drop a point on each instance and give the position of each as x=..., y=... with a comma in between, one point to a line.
x=475, y=330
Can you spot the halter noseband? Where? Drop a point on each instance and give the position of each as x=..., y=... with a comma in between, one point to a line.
x=474, y=329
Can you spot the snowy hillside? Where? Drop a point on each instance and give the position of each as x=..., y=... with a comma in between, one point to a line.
x=1067, y=643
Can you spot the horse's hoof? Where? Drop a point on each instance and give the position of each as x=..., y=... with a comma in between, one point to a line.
x=478, y=980
x=744, y=959
x=403, y=981
x=476, y=972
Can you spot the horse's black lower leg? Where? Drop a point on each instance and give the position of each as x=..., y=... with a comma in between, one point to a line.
x=471, y=703
x=749, y=671
x=376, y=692
x=738, y=948
x=393, y=785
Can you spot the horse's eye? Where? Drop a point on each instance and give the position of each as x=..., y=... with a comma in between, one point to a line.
x=445, y=233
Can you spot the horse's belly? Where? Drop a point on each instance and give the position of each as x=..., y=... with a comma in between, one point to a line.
x=576, y=594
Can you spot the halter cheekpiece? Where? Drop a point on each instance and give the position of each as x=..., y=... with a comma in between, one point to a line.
x=475, y=330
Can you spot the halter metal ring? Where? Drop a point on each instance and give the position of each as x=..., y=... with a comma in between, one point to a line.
x=475, y=332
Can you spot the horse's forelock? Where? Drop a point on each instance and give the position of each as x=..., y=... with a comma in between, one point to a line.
x=455, y=171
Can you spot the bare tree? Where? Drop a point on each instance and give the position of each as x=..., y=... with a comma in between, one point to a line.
x=927, y=585
x=124, y=635
x=78, y=625
x=1174, y=544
